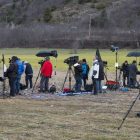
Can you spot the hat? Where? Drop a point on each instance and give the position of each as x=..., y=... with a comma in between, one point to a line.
x=14, y=58
x=84, y=60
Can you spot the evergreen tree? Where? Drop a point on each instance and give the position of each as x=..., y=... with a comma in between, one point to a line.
x=47, y=15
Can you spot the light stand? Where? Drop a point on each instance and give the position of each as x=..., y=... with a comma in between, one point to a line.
x=55, y=75
x=116, y=65
x=3, y=78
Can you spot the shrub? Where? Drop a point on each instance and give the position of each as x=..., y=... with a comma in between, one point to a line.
x=92, y=5
x=94, y=22
x=94, y=1
x=66, y=1
x=100, y=6
x=138, y=12
x=81, y=1
x=47, y=15
x=53, y=8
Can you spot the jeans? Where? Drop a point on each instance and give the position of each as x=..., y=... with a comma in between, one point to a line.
x=132, y=82
x=84, y=80
x=95, y=86
x=28, y=78
x=12, y=84
x=99, y=85
x=78, y=84
x=46, y=80
x=17, y=83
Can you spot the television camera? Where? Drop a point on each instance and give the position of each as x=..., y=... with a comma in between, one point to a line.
x=113, y=48
x=71, y=60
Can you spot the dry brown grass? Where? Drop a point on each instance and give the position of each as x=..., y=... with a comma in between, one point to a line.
x=81, y=117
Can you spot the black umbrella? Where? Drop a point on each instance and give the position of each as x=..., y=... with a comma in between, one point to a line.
x=44, y=54
x=134, y=54
x=98, y=54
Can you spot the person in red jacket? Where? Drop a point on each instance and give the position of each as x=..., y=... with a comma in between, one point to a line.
x=46, y=73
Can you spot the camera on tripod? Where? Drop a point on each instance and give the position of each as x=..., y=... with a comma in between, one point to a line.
x=105, y=63
x=41, y=62
x=72, y=60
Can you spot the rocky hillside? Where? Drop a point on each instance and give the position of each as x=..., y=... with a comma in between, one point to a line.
x=89, y=22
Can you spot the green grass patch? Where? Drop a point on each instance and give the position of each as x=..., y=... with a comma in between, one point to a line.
x=28, y=54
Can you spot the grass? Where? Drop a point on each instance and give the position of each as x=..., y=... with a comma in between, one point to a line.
x=29, y=55
x=81, y=117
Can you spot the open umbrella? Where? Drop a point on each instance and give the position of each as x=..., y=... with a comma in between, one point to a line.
x=133, y=54
x=44, y=54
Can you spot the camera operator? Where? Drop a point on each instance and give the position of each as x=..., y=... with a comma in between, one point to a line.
x=20, y=71
x=12, y=73
x=94, y=73
x=78, y=75
x=46, y=73
x=85, y=72
x=28, y=73
x=132, y=74
x=125, y=69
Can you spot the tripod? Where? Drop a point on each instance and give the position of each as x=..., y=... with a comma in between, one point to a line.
x=36, y=79
x=55, y=76
x=129, y=111
x=69, y=71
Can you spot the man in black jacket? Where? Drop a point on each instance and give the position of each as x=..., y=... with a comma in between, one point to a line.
x=12, y=72
x=28, y=73
x=132, y=74
x=125, y=69
x=78, y=76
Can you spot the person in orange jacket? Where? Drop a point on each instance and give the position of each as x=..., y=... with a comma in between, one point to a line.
x=46, y=73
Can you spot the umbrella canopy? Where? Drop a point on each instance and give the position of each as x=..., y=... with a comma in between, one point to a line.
x=133, y=54
x=98, y=54
x=44, y=54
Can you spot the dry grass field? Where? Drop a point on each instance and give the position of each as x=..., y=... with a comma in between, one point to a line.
x=80, y=117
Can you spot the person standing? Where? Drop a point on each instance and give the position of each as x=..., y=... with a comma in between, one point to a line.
x=125, y=69
x=20, y=71
x=78, y=76
x=85, y=72
x=28, y=73
x=132, y=74
x=12, y=73
x=94, y=73
x=46, y=73
x=101, y=77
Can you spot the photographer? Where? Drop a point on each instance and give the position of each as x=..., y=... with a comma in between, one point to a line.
x=78, y=76
x=125, y=69
x=20, y=71
x=28, y=73
x=12, y=73
x=94, y=73
x=46, y=73
x=132, y=74
x=85, y=72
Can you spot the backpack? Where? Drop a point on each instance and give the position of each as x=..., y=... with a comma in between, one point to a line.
x=52, y=89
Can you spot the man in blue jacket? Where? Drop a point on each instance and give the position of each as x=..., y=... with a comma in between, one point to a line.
x=20, y=71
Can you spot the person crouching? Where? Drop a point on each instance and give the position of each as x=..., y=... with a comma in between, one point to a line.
x=78, y=76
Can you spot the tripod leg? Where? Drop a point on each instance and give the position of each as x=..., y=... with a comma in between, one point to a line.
x=129, y=111
x=65, y=79
x=36, y=80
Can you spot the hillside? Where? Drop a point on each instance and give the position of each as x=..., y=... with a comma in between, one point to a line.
x=86, y=23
